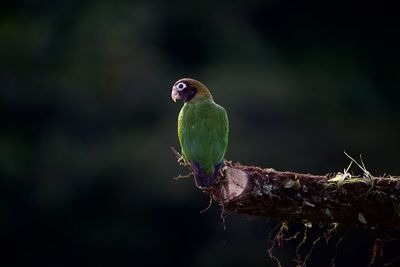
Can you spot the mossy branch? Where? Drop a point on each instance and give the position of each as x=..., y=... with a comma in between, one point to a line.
x=357, y=200
x=365, y=201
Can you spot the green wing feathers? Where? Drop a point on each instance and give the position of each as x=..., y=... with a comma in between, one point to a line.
x=203, y=134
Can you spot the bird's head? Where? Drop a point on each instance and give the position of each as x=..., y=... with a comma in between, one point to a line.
x=190, y=90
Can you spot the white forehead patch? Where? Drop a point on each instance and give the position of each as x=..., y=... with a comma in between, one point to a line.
x=180, y=86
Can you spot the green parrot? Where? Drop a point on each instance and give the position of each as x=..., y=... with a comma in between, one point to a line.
x=202, y=130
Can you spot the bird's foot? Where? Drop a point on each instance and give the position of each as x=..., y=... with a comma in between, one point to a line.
x=178, y=155
x=181, y=161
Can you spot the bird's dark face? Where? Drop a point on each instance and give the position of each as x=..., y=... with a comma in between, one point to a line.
x=183, y=89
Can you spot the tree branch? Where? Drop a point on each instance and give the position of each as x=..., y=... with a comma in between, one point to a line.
x=366, y=201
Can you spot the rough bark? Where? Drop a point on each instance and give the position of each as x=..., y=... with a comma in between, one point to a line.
x=366, y=201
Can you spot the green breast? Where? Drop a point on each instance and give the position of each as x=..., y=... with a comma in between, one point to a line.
x=203, y=133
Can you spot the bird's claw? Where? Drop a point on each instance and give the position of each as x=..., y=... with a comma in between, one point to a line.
x=178, y=155
x=181, y=161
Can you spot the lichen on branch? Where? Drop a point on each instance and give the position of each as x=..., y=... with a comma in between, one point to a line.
x=366, y=201
x=357, y=200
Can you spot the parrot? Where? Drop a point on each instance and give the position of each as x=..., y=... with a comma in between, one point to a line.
x=203, y=130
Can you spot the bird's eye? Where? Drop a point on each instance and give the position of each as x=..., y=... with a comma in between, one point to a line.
x=181, y=86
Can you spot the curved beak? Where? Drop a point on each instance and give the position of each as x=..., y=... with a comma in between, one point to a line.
x=175, y=94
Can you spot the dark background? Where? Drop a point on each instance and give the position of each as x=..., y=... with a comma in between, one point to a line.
x=87, y=121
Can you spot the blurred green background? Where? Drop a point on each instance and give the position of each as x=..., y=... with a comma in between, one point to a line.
x=87, y=121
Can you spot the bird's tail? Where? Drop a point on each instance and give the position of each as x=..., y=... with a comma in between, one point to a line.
x=202, y=179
